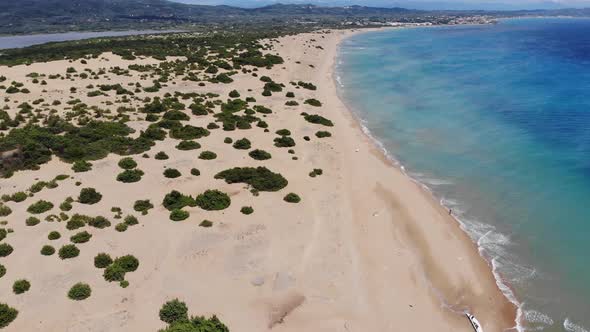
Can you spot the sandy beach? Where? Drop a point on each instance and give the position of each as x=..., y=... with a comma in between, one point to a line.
x=366, y=249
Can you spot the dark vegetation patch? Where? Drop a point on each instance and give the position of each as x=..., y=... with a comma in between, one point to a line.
x=213, y=200
x=259, y=178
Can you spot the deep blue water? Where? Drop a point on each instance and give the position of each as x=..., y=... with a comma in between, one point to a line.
x=496, y=121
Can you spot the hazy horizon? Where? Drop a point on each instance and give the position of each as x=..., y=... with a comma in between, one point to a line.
x=412, y=4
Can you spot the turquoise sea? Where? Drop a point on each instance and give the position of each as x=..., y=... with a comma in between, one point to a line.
x=495, y=120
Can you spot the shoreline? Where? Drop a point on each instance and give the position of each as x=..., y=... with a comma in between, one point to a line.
x=386, y=156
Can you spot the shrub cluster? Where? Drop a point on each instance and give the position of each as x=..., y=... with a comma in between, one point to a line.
x=130, y=175
x=175, y=313
x=127, y=163
x=171, y=173
x=81, y=237
x=207, y=155
x=119, y=267
x=213, y=200
x=247, y=210
x=260, y=178
x=284, y=142
x=5, y=249
x=40, y=207
x=7, y=315
x=81, y=166
x=32, y=221
x=47, y=250
x=178, y=215
x=53, y=235
x=316, y=172
x=21, y=286
x=242, y=144
x=102, y=260
x=322, y=134
x=313, y=102
x=188, y=145
x=142, y=206
x=259, y=154
x=68, y=251
x=89, y=196
x=79, y=291
x=292, y=198
x=318, y=119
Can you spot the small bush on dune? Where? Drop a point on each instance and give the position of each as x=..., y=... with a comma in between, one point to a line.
x=4, y=210
x=40, y=207
x=54, y=235
x=2, y=270
x=121, y=227
x=260, y=178
x=114, y=272
x=178, y=215
x=284, y=142
x=171, y=173
x=195, y=172
x=173, y=311
x=68, y=251
x=79, y=291
x=81, y=237
x=127, y=163
x=47, y=250
x=242, y=144
x=323, y=134
x=247, y=210
x=89, y=196
x=188, y=145
x=77, y=221
x=102, y=260
x=207, y=155
x=128, y=262
x=161, y=155
x=213, y=200
x=176, y=200
x=292, y=198
x=143, y=206
x=5, y=249
x=316, y=172
x=313, y=102
x=32, y=221
x=259, y=154
x=81, y=166
x=130, y=176
x=21, y=286
x=99, y=222
x=131, y=220
x=206, y=223
x=283, y=132
x=318, y=119
x=7, y=315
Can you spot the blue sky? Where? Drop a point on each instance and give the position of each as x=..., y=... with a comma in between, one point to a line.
x=418, y=4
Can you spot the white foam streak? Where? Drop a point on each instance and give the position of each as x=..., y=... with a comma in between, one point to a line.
x=568, y=325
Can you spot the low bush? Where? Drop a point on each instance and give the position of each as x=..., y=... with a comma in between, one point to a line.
x=77, y=221
x=5, y=249
x=21, y=286
x=81, y=166
x=260, y=178
x=284, y=142
x=171, y=173
x=143, y=206
x=4, y=210
x=2, y=270
x=127, y=163
x=47, y=250
x=259, y=154
x=234, y=94
x=67, y=204
x=124, y=283
x=290, y=95
x=178, y=215
x=173, y=311
x=176, y=200
x=313, y=102
x=242, y=144
x=79, y=291
x=32, y=221
x=68, y=251
x=161, y=155
x=323, y=134
x=128, y=262
x=188, y=145
x=89, y=196
x=81, y=237
x=54, y=235
x=213, y=200
x=40, y=207
x=130, y=176
x=318, y=119
x=291, y=103
x=3, y=233
x=121, y=227
x=247, y=210
x=7, y=315
x=292, y=198
x=102, y=260
x=228, y=140
x=99, y=222
x=316, y=172
x=283, y=132
x=130, y=220
x=195, y=172
x=114, y=272
x=16, y=197
x=207, y=155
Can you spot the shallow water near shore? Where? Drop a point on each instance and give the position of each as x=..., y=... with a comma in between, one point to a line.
x=495, y=120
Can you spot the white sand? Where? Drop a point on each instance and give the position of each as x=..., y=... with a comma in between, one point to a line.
x=367, y=249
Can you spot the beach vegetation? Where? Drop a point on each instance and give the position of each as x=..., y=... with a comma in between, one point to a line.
x=242, y=144
x=259, y=154
x=121, y=227
x=142, y=206
x=259, y=178
x=20, y=286
x=99, y=222
x=81, y=166
x=130, y=175
x=323, y=134
x=176, y=200
x=247, y=210
x=127, y=163
x=292, y=198
x=178, y=215
x=5, y=249
x=188, y=145
x=32, y=221
x=68, y=251
x=313, y=102
x=102, y=260
x=89, y=196
x=53, y=235
x=40, y=207
x=195, y=172
x=47, y=250
x=173, y=311
x=161, y=156
x=207, y=155
x=81, y=237
x=171, y=173
x=80, y=291
x=318, y=119
x=284, y=142
x=213, y=200
x=7, y=315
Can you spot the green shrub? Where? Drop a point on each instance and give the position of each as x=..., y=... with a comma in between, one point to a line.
x=102, y=260
x=173, y=311
x=67, y=204
x=178, y=215
x=79, y=291
x=313, y=102
x=322, y=134
x=308, y=86
x=7, y=315
x=114, y=272
x=260, y=178
x=316, y=172
x=17, y=197
x=130, y=220
x=188, y=132
x=142, y=206
x=207, y=155
x=21, y=286
x=234, y=94
x=47, y=250
x=161, y=155
x=175, y=200
x=77, y=221
x=81, y=237
x=242, y=144
x=32, y=221
x=318, y=119
x=2, y=270
x=54, y=235
x=130, y=175
x=128, y=262
x=89, y=196
x=228, y=140
x=127, y=163
x=284, y=142
x=124, y=283
x=40, y=207
x=3, y=233
x=247, y=210
x=4, y=210
x=212, y=324
x=206, y=223
x=81, y=166
x=290, y=95
x=213, y=200
x=99, y=222
x=188, y=145
x=292, y=198
x=283, y=132
x=259, y=154
x=171, y=173
x=68, y=251
x=121, y=227
x=195, y=172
